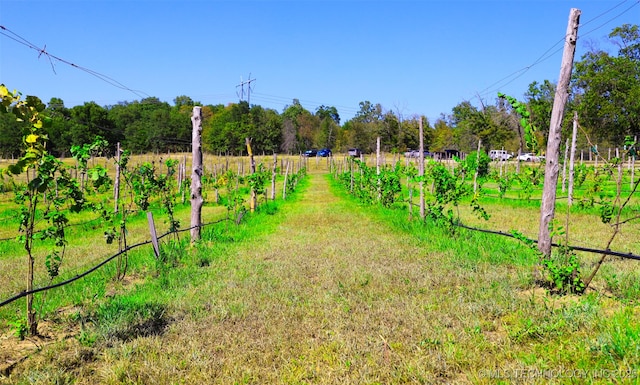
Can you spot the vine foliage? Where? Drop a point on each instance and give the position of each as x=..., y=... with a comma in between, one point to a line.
x=50, y=191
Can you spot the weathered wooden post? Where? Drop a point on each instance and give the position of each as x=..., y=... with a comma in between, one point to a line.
x=564, y=165
x=284, y=183
x=421, y=168
x=154, y=236
x=252, y=164
x=632, y=159
x=475, y=175
x=274, y=174
x=116, y=183
x=378, y=169
x=547, y=208
x=196, y=174
x=572, y=156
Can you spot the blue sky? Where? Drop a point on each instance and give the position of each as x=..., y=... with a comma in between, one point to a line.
x=412, y=57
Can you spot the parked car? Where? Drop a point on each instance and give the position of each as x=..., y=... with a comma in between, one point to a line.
x=529, y=157
x=324, y=152
x=354, y=152
x=499, y=155
x=310, y=153
x=416, y=154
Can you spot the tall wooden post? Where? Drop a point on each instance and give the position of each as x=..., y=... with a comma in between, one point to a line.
x=196, y=174
x=284, y=183
x=116, y=184
x=378, y=169
x=632, y=159
x=572, y=158
x=475, y=175
x=274, y=174
x=564, y=165
x=252, y=163
x=421, y=168
x=547, y=208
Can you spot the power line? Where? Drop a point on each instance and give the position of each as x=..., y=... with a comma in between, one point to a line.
x=550, y=52
x=42, y=51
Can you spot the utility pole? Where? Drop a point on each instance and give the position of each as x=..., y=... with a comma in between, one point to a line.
x=547, y=208
x=241, y=85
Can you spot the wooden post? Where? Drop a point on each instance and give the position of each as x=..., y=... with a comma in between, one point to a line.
x=378, y=168
x=154, y=236
x=564, y=165
x=572, y=156
x=619, y=182
x=183, y=176
x=196, y=174
x=284, y=187
x=632, y=159
x=475, y=175
x=421, y=168
x=116, y=183
x=274, y=174
x=252, y=197
x=547, y=208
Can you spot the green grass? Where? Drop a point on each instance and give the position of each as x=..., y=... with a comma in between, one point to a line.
x=323, y=290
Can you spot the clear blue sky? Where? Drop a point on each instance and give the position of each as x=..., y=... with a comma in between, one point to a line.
x=412, y=57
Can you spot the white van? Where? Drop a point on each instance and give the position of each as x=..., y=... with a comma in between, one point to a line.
x=499, y=155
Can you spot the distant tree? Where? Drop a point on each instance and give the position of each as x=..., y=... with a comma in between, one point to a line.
x=289, y=137
x=471, y=124
x=329, y=125
x=265, y=129
x=227, y=129
x=324, y=112
x=60, y=139
x=607, y=88
x=11, y=133
x=88, y=121
x=365, y=126
x=184, y=101
x=369, y=113
x=443, y=137
x=539, y=99
x=306, y=125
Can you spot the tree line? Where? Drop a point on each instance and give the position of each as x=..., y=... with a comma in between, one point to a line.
x=605, y=91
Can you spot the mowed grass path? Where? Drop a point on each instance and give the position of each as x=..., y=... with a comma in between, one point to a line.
x=330, y=297
x=334, y=295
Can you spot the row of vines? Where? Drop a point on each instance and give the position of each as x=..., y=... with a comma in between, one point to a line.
x=46, y=195
x=607, y=189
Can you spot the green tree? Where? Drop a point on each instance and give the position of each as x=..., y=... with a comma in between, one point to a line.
x=443, y=137
x=539, y=100
x=471, y=124
x=607, y=88
x=60, y=139
x=11, y=133
x=329, y=125
x=88, y=121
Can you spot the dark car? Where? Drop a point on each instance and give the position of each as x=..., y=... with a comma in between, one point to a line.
x=416, y=154
x=324, y=152
x=310, y=153
x=354, y=152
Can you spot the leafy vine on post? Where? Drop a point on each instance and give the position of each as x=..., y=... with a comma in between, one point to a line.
x=84, y=153
x=528, y=137
x=47, y=191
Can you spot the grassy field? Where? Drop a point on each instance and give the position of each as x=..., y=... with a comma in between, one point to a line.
x=322, y=290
